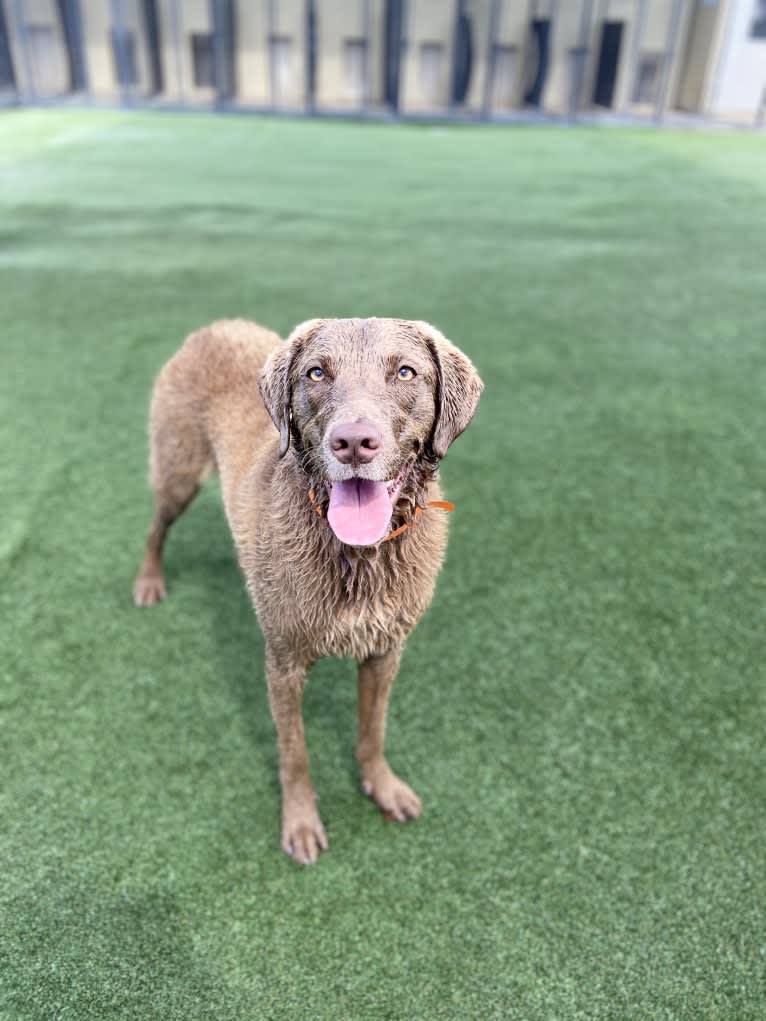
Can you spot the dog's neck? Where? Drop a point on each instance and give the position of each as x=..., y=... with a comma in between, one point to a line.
x=361, y=573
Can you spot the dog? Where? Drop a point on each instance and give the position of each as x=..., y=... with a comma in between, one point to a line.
x=327, y=447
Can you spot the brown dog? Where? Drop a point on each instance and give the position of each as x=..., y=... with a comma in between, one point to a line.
x=323, y=510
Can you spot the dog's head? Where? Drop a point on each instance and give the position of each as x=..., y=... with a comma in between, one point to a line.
x=363, y=401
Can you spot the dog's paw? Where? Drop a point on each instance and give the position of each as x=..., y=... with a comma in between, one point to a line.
x=396, y=799
x=149, y=589
x=303, y=835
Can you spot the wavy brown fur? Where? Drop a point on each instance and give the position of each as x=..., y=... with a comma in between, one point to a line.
x=314, y=595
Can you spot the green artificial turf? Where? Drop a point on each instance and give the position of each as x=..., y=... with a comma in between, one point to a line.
x=582, y=709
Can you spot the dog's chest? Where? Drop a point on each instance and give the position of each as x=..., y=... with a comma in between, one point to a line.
x=368, y=607
x=329, y=606
x=316, y=598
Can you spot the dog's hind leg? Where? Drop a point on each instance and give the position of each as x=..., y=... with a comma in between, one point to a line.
x=149, y=587
x=180, y=459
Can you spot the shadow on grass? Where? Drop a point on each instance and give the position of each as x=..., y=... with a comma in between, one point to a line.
x=123, y=954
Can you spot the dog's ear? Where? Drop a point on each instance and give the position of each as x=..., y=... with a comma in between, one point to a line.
x=275, y=380
x=458, y=389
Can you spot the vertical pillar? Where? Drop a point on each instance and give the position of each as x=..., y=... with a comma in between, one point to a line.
x=489, y=77
x=670, y=52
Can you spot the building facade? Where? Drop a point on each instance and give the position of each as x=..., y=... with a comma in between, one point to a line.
x=472, y=58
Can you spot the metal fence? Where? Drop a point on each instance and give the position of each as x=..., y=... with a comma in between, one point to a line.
x=457, y=59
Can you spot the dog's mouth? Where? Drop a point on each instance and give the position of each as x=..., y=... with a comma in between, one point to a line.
x=360, y=509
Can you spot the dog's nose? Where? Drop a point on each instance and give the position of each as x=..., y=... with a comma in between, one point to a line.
x=355, y=442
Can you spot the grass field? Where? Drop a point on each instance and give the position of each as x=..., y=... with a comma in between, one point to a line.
x=583, y=708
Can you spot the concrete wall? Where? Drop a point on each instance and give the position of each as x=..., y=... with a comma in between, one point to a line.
x=700, y=44
x=179, y=22
x=427, y=57
x=42, y=69
x=270, y=59
x=350, y=47
x=740, y=82
x=654, y=59
x=98, y=50
x=251, y=61
x=98, y=25
x=712, y=63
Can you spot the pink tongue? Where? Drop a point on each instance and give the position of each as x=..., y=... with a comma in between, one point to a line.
x=359, y=511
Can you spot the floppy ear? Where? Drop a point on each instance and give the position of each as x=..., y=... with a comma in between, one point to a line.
x=275, y=380
x=458, y=389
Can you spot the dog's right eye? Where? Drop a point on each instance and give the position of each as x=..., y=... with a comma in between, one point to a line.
x=315, y=373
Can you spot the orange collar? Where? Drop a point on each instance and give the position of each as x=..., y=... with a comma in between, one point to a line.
x=440, y=504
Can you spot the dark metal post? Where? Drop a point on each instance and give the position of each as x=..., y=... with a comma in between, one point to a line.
x=597, y=22
x=71, y=23
x=456, y=21
x=152, y=28
x=670, y=51
x=223, y=29
x=311, y=55
x=393, y=48
x=462, y=57
x=7, y=70
x=581, y=58
x=119, y=51
x=219, y=56
x=489, y=73
x=635, y=47
x=367, y=56
x=177, y=47
x=554, y=13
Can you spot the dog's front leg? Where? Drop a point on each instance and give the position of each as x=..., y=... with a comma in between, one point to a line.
x=303, y=834
x=394, y=797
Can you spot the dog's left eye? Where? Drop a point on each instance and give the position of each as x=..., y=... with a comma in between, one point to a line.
x=315, y=373
x=406, y=372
